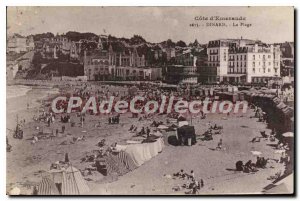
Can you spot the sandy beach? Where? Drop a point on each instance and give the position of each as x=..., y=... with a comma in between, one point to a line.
x=26, y=163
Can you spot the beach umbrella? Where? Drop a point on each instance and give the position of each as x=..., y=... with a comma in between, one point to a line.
x=256, y=153
x=288, y=134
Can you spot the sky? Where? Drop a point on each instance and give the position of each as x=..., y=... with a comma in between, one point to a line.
x=156, y=24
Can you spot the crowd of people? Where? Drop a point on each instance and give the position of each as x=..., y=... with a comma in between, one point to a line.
x=191, y=184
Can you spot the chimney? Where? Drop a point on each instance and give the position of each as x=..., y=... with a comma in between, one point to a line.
x=84, y=56
x=272, y=48
x=256, y=47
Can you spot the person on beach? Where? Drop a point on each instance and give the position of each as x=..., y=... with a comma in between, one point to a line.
x=201, y=183
x=67, y=158
x=180, y=174
x=219, y=147
x=192, y=175
x=148, y=132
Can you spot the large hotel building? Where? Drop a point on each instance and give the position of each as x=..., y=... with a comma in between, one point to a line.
x=240, y=61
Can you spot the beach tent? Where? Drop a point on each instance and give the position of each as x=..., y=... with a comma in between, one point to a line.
x=288, y=134
x=162, y=127
x=185, y=132
x=282, y=185
x=181, y=118
x=183, y=123
x=281, y=105
x=126, y=160
x=140, y=153
x=276, y=100
x=288, y=111
x=170, y=137
x=47, y=187
x=115, y=165
x=69, y=181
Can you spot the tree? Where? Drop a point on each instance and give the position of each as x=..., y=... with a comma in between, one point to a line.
x=137, y=39
x=196, y=43
x=38, y=37
x=170, y=43
x=181, y=43
x=76, y=36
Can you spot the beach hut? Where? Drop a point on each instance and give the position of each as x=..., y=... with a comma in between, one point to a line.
x=281, y=105
x=241, y=96
x=234, y=97
x=206, y=92
x=276, y=100
x=186, y=135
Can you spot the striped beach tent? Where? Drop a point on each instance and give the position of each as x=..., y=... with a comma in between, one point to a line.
x=47, y=187
x=114, y=164
x=73, y=183
x=69, y=181
x=127, y=160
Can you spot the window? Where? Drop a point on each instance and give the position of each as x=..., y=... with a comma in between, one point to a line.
x=237, y=57
x=275, y=70
x=264, y=70
x=253, y=64
x=253, y=69
x=269, y=70
x=237, y=64
x=269, y=63
x=241, y=57
x=269, y=56
x=245, y=57
x=253, y=57
x=264, y=57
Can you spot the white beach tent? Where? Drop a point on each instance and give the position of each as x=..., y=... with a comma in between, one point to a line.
x=68, y=181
